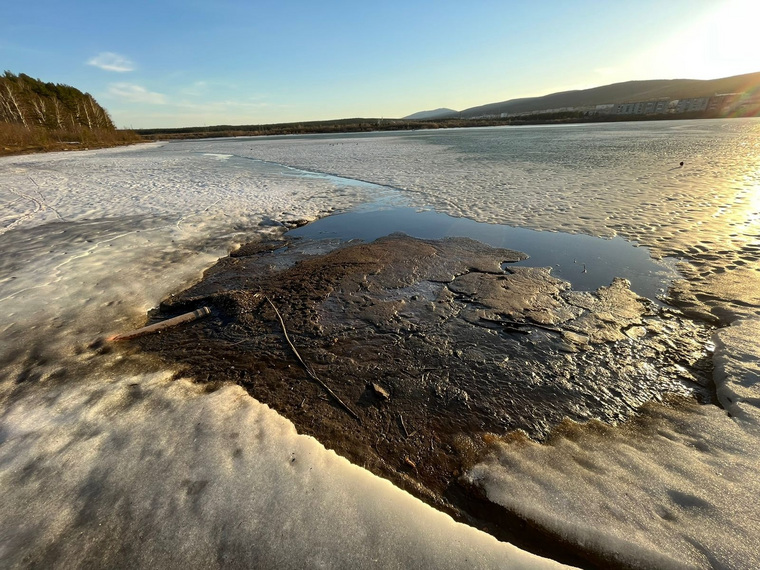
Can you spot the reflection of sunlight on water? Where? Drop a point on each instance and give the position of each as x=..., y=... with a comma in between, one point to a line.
x=738, y=217
x=743, y=214
x=752, y=210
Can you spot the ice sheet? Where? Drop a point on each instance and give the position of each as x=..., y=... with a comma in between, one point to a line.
x=677, y=488
x=596, y=179
x=679, y=491
x=105, y=458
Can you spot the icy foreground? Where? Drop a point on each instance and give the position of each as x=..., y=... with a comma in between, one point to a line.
x=143, y=471
x=676, y=489
x=679, y=489
x=105, y=459
x=108, y=446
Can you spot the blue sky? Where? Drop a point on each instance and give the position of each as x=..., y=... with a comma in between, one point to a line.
x=192, y=63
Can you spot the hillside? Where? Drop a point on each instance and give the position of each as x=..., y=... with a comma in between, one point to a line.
x=632, y=100
x=35, y=115
x=434, y=114
x=619, y=93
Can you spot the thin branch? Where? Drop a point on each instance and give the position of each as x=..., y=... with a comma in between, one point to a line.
x=308, y=370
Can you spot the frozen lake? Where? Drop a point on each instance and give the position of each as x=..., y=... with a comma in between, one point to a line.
x=106, y=456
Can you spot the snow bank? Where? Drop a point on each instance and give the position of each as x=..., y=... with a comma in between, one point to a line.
x=737, y=369
x=144, y=471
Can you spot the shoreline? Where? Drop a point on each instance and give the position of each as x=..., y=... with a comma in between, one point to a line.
x=349, y=126
x=409, y=394
x=66, y=146
x=344, y=126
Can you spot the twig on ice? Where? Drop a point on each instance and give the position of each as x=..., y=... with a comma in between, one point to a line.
x=406, y=433
x=308, y=370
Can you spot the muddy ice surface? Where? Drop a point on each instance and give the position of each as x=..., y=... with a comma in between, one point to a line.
x=434, y=345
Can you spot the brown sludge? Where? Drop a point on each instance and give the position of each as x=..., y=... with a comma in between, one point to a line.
x=436, y=348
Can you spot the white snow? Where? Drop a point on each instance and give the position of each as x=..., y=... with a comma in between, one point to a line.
x=142, y=471
x=105, y=459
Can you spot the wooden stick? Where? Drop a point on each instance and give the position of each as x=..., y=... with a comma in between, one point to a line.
x=406, y=433
x=186, y=318
x=308, y=370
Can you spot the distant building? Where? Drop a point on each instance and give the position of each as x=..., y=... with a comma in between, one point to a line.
x=718, y=104
x=692, y=105
x=606, y=109
x=625, y=108
x=722, y=102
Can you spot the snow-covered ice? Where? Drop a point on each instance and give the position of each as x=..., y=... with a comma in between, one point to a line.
x=105, y=457
x=141, y=470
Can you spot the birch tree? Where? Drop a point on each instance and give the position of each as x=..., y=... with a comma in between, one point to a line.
x=39, y=109
x=14, y=104
x=57, y=113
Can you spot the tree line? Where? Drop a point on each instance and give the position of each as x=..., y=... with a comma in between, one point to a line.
x=35, y=115
x=30, y=102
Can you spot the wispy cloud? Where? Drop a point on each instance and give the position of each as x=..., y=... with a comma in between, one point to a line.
x=112, y=62
x=135, y=94
x=222, y=106
x=196, y=89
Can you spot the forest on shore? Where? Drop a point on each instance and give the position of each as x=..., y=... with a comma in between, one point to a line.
x=368, y=125
x=37, y=116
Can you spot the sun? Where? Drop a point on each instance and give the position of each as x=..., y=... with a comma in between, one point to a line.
x=719, y=43
x=726, y=40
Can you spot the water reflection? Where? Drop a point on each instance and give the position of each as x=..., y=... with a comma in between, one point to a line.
x=586, y=262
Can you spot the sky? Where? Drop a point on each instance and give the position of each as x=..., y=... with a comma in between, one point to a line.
x=198, y=63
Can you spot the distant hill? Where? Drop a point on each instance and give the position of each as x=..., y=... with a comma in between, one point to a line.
x=618, y=93
x=632, y=100
x=434, y=114
x=35, y=115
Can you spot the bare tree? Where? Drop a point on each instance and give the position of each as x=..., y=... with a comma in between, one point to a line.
x=57, y=112
x=96, y=118
x=6, y=113
x=39, y=108
x=14, y=104
x=86, y=114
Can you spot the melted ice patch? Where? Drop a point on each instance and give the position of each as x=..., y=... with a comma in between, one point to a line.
x=586, y=262
x=106, y=459
x=218, y=156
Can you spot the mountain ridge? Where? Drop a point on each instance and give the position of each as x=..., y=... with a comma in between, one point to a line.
x=441, y=113
x=615, y=93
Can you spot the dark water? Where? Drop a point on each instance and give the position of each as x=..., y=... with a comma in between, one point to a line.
x=586, y=262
